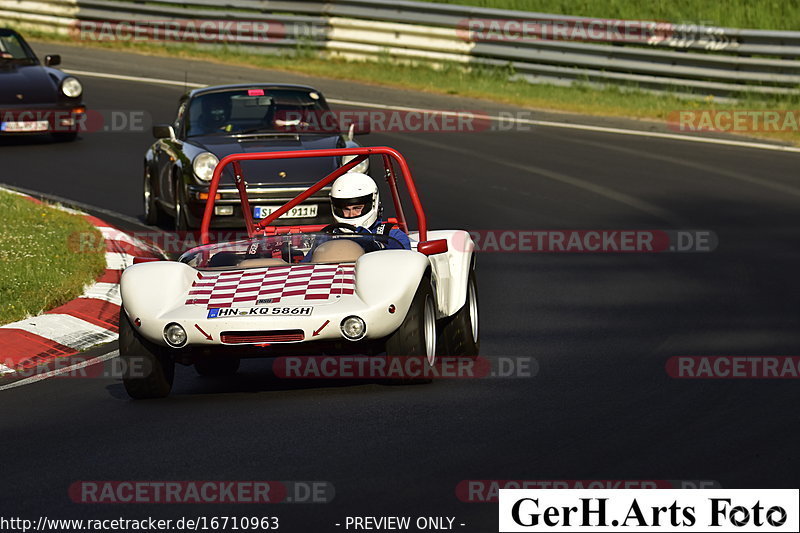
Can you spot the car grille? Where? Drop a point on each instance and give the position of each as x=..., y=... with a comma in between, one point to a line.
x=260, y=337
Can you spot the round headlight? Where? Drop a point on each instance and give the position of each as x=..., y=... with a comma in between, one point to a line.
x=175, y=335
x=71, y=87
x=204, y=165
x=353, y=328
x=361, y=167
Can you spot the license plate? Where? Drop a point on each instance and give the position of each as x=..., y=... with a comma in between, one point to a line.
x=25, y=126
x=230, y=312
x=300, y=211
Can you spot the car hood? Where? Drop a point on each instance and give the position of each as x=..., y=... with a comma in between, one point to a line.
x=31, y=81
x=283, y=171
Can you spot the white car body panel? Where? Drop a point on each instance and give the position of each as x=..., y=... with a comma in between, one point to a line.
x=155, y=294
x=450, y=270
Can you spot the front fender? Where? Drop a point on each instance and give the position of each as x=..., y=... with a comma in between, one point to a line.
x=149, y=290
x=390, y=277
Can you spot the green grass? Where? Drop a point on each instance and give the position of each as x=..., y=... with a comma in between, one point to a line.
x=488, y=84
x=41, y=265
x=761, y=14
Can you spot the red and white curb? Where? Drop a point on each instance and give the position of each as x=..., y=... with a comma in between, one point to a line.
x=86, y=321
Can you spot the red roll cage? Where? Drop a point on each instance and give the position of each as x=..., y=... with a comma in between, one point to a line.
x=389, y=156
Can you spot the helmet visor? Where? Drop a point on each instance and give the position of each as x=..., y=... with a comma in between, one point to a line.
x=339, y=204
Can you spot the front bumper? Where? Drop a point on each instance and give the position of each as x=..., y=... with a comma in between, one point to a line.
x=322, y=324
x=55, y=118
x=258, y=195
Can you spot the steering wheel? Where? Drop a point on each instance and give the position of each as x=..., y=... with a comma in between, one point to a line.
x=339, y=225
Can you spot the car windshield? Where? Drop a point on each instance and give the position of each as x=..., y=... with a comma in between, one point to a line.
x=268, y=110
x=12, y=48
x=277, y=250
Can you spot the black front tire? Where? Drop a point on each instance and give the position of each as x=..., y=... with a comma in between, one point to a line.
x=138, y=354
x=460, y=333
x=151, y=209
x=415, y=340
x=65, y=136
x=221, y=366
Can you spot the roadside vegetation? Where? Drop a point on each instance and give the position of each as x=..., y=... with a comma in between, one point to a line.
x=765, y=15
x=488, y=84
x=41, y=263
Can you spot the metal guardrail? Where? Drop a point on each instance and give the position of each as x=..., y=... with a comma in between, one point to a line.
x=676, y=58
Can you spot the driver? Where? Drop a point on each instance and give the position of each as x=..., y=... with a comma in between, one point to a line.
x=355, y=201
x=216, y=111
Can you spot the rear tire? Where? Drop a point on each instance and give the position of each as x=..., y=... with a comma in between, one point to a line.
x=415, y=340
x=140, y=354
x=221, y=366
x=460, y=335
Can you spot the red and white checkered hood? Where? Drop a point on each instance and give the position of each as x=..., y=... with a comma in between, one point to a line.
x=298, y=283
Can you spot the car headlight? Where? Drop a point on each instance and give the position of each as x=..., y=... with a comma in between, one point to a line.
x=71, y=87
x=361, y=167
x=353, y=328
x=204, y=165
x=175, y=335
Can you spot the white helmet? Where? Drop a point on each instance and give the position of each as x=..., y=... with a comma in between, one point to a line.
x=355, y=188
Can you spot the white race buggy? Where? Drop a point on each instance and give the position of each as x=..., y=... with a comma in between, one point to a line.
x=300, y=290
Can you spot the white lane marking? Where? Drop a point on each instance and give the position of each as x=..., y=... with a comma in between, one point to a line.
x=65, y=329
x=600, y=190
x=118, y=261
x=58, y=371
x=545, y=123
x=103, y=291
x=113, y=234
x=711, y=169
x=134, y=78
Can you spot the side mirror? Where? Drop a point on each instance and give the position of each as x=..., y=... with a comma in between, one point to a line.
x=52, y=60
x=163, y=131
x=439, y=246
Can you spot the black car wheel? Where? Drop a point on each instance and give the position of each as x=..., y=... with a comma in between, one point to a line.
x=414, y=342
x=149, y=369
x=219, y=366
x=151, y=209
x=65, y=136
x=181, y=224
x=459, y=337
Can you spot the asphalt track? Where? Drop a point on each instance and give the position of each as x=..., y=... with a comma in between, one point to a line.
x=599, y=326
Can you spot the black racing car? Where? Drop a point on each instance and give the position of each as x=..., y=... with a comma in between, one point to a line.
x=214, y=122
x=36, y=98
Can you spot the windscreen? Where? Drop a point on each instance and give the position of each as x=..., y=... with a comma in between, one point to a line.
x=12, y=48
x=277, y=250
x=246, y=111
